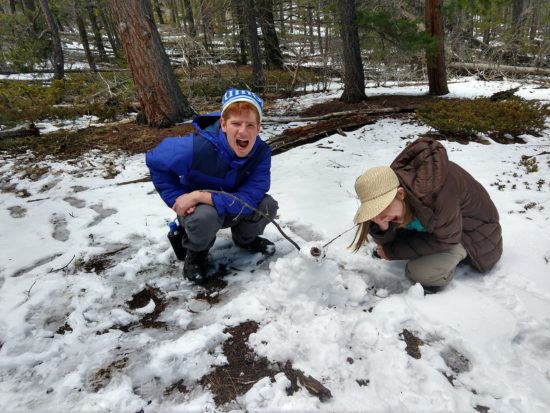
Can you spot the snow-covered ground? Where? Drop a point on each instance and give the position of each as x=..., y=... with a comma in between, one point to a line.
x=75, y=247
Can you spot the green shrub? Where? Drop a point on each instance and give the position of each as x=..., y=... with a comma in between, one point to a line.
x=468, y=117
x=74, y=96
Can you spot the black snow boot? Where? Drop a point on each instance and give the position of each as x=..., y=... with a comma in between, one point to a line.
x=260, y=244
x=195, y=266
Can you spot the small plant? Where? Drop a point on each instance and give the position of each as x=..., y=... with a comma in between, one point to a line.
x=529, y=163
x=464, y=118
x=540, y=183
x=499, y=184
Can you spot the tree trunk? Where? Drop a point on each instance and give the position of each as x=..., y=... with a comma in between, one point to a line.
x=435, y=59
x=519, y=19
x=111, y=34
x=158, y=91
x=281, y=17
x=238, y=17
x=258, y=76
x=310, y=26
x=354, y=77
x=29, y=5
x=189, y=18
x=206, y=24
x=95, y=29
x=173, y=11
x=12, y=6
x=83, y=36
x=272, y=51
x=158, y=10
x=58, y=60
x=290, y=16
x=318, y=23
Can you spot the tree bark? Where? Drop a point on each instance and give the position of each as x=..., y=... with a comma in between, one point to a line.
x=272, y=51
x=58, y=59
x=435, y=59
x=83, y=35
x=354, y=77
x=258, y=76
x=158, y=91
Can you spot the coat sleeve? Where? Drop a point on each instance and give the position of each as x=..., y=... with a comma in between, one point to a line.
x=251, y=191
x=167, y=163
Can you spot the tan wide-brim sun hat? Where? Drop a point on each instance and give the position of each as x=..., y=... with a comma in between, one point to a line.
x=375, y=188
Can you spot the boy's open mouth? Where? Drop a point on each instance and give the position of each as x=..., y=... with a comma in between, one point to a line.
x=241, y=143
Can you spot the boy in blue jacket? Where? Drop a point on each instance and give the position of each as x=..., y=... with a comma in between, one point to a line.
x=226, y=155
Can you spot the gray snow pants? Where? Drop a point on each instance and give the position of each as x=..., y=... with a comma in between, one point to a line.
x=202, y=225
x=436, y=270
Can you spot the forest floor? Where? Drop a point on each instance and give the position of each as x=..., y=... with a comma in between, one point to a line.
x=134, y=138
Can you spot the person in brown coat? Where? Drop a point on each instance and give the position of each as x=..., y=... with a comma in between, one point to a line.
x=428, y=210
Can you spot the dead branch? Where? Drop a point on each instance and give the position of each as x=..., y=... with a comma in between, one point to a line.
x=65, y=266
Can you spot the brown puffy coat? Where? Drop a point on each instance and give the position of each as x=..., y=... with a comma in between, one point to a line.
x=451, y=205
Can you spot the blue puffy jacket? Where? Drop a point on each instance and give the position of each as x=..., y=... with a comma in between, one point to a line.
x=204, y=160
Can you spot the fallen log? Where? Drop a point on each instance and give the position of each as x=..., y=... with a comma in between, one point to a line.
x=378, y=111
x=501, y=68
x=27, y=129
x=336, y=123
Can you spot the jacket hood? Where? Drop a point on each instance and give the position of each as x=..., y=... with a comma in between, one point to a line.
x=422, y=167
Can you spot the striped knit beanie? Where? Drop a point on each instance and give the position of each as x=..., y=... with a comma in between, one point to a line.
x=235, y=95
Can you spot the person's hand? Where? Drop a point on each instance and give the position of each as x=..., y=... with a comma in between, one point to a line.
x=185, y=204
x=380, y=252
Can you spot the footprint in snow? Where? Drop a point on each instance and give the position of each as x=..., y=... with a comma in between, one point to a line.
x=102, y=214
x=17, y=211
x=75, y=202
x=60, y=230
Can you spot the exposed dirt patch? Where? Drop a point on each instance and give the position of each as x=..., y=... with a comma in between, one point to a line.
x=101, y=377
x=99, y=263
x=176, y=387
x=413, y=344
x=64, y=329
x=127, y=137
x=212, y=290
x=142, y=299
x=244, y=369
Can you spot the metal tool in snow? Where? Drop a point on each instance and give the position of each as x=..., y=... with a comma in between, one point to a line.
x=318, y=252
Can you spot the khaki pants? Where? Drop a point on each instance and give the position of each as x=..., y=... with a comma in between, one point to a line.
x=435, y=270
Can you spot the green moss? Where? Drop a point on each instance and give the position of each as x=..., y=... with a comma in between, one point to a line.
x=466, y=118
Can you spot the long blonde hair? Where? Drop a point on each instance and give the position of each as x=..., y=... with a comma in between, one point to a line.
x=362, y=233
